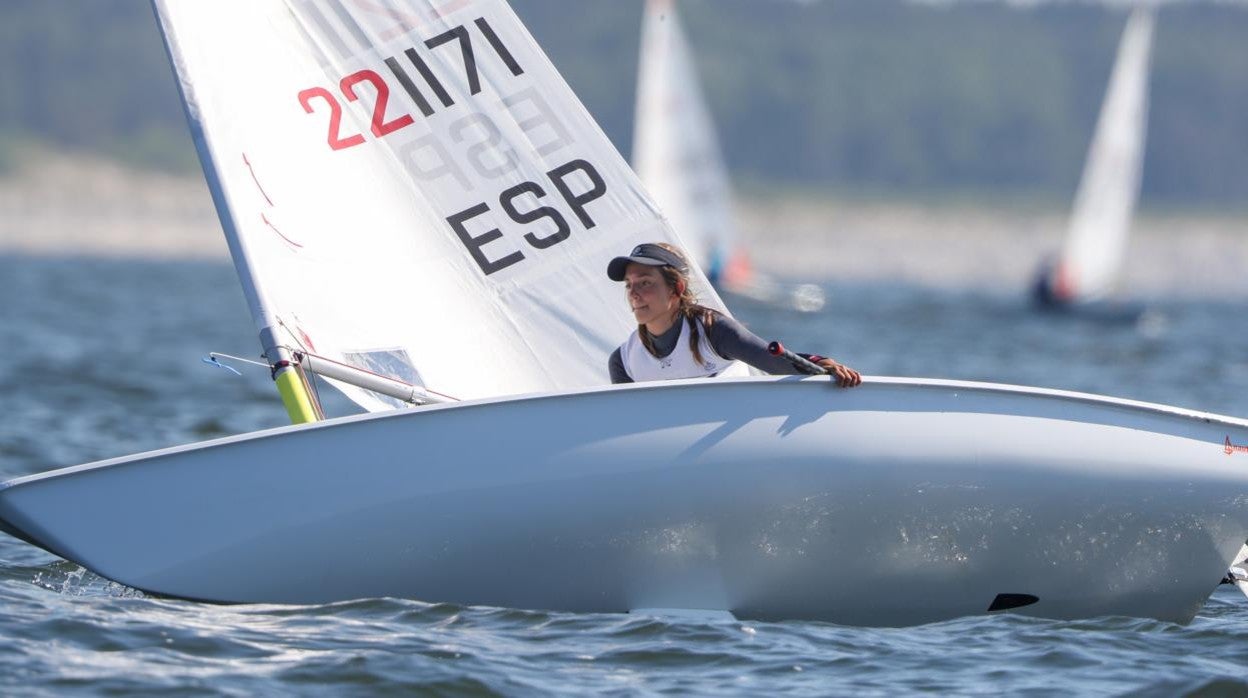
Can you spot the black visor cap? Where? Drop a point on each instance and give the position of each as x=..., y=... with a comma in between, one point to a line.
x=648, y=254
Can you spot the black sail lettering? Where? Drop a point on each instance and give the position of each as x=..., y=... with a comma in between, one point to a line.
x=508, y=201
x=578, y=201
x=410, y=87
x=475, y=243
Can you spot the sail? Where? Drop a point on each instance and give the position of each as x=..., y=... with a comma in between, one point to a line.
x=1092, y=257
x=410, y=187
x=675, y=147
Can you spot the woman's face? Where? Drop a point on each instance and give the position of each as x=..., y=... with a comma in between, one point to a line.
x=649, y=296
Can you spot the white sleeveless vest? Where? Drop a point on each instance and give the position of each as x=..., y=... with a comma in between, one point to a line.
x=641, y=365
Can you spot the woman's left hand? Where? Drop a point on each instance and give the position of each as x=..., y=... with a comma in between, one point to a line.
x=845, y=376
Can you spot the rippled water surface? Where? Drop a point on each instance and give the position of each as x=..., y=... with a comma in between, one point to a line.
x=102, y=358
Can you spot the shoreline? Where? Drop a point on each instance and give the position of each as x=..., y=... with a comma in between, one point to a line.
x=93, y=208
x=964, y=246
x=76, y=207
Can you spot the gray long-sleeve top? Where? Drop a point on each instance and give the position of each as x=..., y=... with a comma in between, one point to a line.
x=729, y=338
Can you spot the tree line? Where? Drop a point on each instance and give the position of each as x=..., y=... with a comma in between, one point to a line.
x=832, y=96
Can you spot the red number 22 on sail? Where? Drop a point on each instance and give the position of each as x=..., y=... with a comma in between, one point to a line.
x=380, y=126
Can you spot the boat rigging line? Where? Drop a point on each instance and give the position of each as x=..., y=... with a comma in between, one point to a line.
x=361, y=378
x=352, y=375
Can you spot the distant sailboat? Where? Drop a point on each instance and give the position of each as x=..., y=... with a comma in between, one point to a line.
x=676, y=153
x=1091, y=259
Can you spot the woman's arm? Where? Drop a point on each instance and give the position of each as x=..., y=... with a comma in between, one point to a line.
x=616, y=366
x=731, y=340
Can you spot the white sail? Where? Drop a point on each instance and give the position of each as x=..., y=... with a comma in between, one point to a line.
x=411, y=188
x=1092, y=257
x=675, y=147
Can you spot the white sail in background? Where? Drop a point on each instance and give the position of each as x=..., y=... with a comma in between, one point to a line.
x=410, y=187
x=675, y=147
x=1092, y=257
x=676, y=153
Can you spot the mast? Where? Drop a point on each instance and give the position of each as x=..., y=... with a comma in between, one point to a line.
x=290, y=383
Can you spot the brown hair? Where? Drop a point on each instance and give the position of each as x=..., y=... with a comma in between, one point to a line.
x=688, y=308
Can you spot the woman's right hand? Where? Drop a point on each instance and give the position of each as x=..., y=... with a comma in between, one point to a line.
x=845, y=376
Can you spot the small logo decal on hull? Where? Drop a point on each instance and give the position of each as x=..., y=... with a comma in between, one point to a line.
x=1230, y=448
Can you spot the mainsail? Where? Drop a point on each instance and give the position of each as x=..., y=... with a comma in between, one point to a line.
x=411, y=188
x=675, y=148
x=1092, y=257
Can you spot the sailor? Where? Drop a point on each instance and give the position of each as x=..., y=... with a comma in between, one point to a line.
x=677, y=338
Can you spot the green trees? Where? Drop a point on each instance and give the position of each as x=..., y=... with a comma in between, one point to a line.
x=860, y=95
x=90, y=76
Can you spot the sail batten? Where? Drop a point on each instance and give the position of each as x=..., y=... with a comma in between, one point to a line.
x=409, y=187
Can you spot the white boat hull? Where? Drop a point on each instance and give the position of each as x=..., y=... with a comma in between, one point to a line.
x=898, y=502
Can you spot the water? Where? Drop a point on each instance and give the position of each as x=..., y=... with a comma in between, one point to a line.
x=102, y=358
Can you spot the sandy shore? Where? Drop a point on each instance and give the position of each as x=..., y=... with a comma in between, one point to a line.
x=962, y=245
x=82, y=207
x=86, y=207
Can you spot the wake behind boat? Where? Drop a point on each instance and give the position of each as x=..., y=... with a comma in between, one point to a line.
x=420, y=210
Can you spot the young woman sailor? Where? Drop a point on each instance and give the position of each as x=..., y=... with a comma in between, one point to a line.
x=677, y=338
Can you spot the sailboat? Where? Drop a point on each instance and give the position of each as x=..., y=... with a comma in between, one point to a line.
x=421, y=211
x=677, y=156
x=1090, y=263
